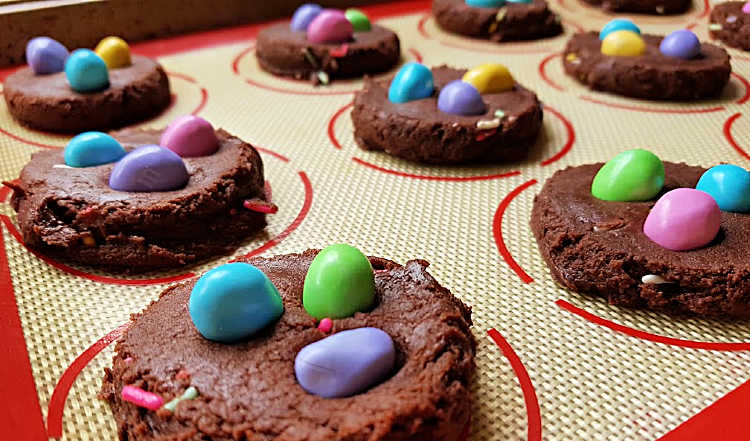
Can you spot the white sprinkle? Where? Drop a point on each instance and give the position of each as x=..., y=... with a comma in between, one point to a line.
x=715, y=27
x=660, y=9
x=323, y=77
x=61, y=166
x=488, y=125
x=500, y=14
x=731, y=19
x=653, y=279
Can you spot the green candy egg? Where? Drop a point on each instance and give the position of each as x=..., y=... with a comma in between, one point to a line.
x=339, y=283
x=358, y=19
x=632, y=176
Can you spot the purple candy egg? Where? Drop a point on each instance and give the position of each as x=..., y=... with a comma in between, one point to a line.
x=190, y=136
x=680, y=44
x=304, y=15
x=149, y=168
x=461, y=98
x=683, y=219
x=330, y=27
x=45, y=55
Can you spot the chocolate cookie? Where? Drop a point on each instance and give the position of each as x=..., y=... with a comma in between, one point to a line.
x=73, y=213
x=652, y=75
x=248, y=390
x=514, y=21
x=418, y=131
x=660, y=7
x=288, y=53
x=730, y=24
x=47, y=102
x=598, y=247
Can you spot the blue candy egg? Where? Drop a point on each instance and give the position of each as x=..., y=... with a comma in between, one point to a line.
x=680, y=44
x=413, y=81
x=45, y=55
x=92, y=148
x=149, y=168
x=233, y=301
x=461, y=98
x=618, y=24
x=304, y=15
x=86, y=71
x=729, y=185
x=346, y=363
x=485, y=3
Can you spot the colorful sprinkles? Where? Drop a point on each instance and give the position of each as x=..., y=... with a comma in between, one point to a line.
x=190, y=393
x=142, y=398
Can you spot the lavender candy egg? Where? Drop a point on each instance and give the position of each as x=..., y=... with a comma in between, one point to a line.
x=45, y=55
x=345, y=363
x=304, y=15
x=461, y=98
x=330, y=27
x=680, y=44
x=149, y=168
x=190, y=136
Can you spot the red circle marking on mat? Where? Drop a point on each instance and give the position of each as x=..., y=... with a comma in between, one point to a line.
x=641, y=335
x=497, y=231
x=571, y=137
x=596, y=13
x=543, y=71
x=728, y=135
x=533, y=414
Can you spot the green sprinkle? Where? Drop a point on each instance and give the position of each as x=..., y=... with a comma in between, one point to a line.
x=323, y=77
x=715, y=27
x=499, y=113
x=172, y=405
x=190, y=393
x=500, y=14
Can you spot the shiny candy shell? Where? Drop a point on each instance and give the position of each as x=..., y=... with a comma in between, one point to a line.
x=680, y=44
x=114, y=51
x=233, y=301
x=413, y=81
x=623, y=44
x=304, y=15
x=746, y=8
x=149, y=168
x=729, y=185
x=633, y=175
x=485, y=3
x=490, y=78
x=618, y=24
x=86, y=71
x=461, y=98
x=683, y=219
x=358, y=19
x=92, y=148
x=330, y=27
x=345, y=363
x=339, y=283
x=45, y=55
x=190, y=136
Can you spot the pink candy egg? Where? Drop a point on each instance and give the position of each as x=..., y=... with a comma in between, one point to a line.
x=683, y=219
x=190, y=136
x=330, y=27
x=746, y=8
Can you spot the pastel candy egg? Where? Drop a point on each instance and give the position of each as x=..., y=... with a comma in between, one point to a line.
x=345, y=363
x=633, y=175
x=729, y=185
x=233, y=301
x=149, y=168
x=92, y=148
x=618, y=24
x=413, y=81
x=623, y=44
x=190, y=136
x=45, y=55
x=330, y=27
x=485, y=3
x=490, y=78
x=683, y=219
x=461, y=98
x=358, y=19
x=339, y=282
x=746, y=8
x=680, y=44
x=86, y=71
x=114, y=51
x=304, y=15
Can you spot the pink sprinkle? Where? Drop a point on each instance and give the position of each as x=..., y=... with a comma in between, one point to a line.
x=486, y=134
x=233, y=211
x=340, y=51
x=142, y=398
x=260, y=206
x=182, y=375
x=326, y=325
x=128, y=360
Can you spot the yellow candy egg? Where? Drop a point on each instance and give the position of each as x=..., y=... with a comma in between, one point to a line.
x=114, y=51
x=490, y=78
x=623, y=44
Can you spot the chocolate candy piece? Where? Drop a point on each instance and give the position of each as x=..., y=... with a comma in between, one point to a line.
x=330, y=27
x=680, y=44
x=618, y=24
x=623, y=44
x=86, y=71
x=461, y=98
x=633, y=175
x=683, y=219
x=92, y=148
x=490, y=78
x=114, y=51
x=339, y=282
x=45, y=55
x=149, y=168
x=345, y=363
x=190, y=136
x=729, y=185
x=233, y=301
x=485, y=3
x=413, y=81
x=358, y=19
x=304, y=15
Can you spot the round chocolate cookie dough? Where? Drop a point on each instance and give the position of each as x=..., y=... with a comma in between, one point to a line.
x=660, y=7
x=514, y=21
x=73, y=213
x=47, y=102
x=730, y=25
x=652, y=75
x=248, y=390
x=598, y=247
x=288, y=53
x=418, y=131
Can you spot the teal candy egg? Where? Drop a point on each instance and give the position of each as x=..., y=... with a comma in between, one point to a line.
x=86, y=71
x=519, y=1
x=234, y=301
x=92, y=148
x=618, y=24
x=729, y=185
x=413, y=81
x=485, y=3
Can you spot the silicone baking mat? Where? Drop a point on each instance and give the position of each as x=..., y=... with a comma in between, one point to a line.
x=552, y=364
